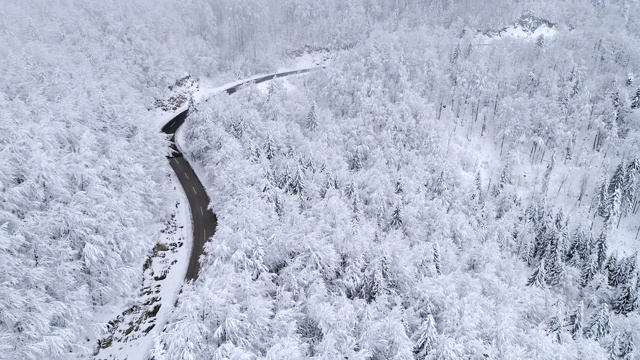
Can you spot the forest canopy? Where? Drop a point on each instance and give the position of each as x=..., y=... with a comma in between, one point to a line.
x=451, y=186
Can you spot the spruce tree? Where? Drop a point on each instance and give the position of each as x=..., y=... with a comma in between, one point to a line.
x=575, y=321
x=399, y=189
x=538, y=278
x=635, y=100
x=426, y=337
x=312, y=118
x=396, y=219
x=600, y=323
x=589, y=270
x=478, y=183
x=629, y=188
x=297, y=184
x=356, y=161
x=617, y=181
x=601, y=247
x=626, y=297
x=580, y=248
x=603, y=206
x=270, y=147
x=613, y=271
x=436, y=258
x=554, y=268
x=350, y=189
x=616, y=208
x=622, y=346
x=554, y=327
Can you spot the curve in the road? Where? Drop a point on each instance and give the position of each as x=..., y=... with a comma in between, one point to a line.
x=204, y=220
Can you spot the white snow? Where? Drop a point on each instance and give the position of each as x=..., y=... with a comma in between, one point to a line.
x=517, y=32
x=136, y=345
x=520, y=33
x=308, y=61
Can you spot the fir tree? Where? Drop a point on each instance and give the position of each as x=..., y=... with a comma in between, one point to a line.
x=440, y=186
x=635, y=100
x=580, y=248
x=356, y=161
x=554, y=268
x=399, y=189
x=613, y=271
x=554, y=327
x=600, y=323
x=270, y=148
x=589, y=270
x=547, y=175
x=562, y=234
x=601, y=247
x=426, y=337
x=350, y=189
x=436, y=258
x=396, y=219
x=575, y=321
x=629, y=188
x=603, y=206
x=615, y=213
x=617, y=181
x=297, y=185
x=538, y=278
x=626, y=297
x=355, y=206
x=478, y=183
x=622, y=346
x=312, y=118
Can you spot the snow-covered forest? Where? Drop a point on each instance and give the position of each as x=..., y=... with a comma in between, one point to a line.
x=461, y=181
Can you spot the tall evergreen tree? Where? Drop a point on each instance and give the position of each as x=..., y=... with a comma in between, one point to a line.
x=629, y=189
x=270, y=147
x=604, y=205
x=601, y=247
x=436, y=258
x=580, y=249
x=589, y=270
x=615, y=213
x=617, y=181
x=600, y=323
x=613, y=271
x=539, y=277
x=297, y=183
x=312, y=118
x=622, y=346
x=626, y=297
x=575, y=321
x=396, y=219
x=635, y=100
x=426, y=337
x=356, y=161
x=554, y=267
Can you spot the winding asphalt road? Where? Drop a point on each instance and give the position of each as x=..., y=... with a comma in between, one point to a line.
x=204, y=220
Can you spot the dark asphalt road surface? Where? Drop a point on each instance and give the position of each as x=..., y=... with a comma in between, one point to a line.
x=204, y=221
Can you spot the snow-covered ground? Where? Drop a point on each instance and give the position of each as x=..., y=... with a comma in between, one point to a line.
x=528, y=28
x=308, y=60
x=132, y=331
x=527, y=178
